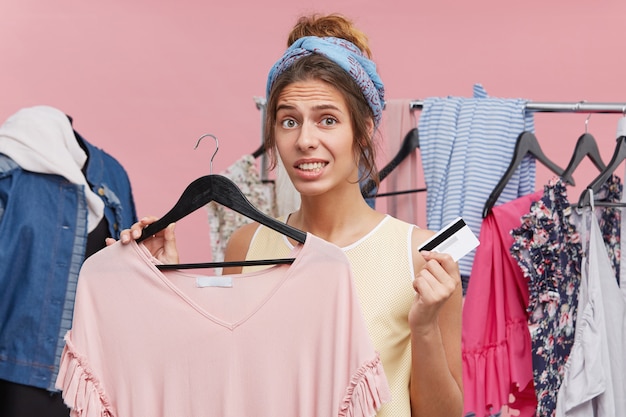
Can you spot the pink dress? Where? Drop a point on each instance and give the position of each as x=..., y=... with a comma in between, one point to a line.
x=497, y=350
x=286, y=341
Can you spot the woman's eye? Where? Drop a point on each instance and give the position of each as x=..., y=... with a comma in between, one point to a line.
x=289, y=123
x=328, y=121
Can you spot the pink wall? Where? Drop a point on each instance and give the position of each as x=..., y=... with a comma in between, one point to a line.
x=143, y=80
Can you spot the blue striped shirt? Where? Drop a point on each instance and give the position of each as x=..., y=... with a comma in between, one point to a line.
x=466, y=146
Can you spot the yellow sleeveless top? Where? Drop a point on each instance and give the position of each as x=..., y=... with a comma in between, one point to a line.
x=383, y=271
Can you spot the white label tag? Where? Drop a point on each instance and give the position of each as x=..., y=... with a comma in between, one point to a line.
x=456, y=239
x=219, y=281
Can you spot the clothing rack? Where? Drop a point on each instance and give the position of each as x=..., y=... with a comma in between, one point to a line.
x=538, y=106
x=560, y=107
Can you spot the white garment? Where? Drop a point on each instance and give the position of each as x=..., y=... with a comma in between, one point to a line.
x=594, y=382
x=287, y=197
x=41, y=139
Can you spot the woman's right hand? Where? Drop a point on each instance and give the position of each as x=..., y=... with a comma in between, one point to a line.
x=161, y=245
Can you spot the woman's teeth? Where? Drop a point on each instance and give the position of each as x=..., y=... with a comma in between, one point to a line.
x=311, y=166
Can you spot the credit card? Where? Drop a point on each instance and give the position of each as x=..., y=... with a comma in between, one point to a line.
x=456, y=239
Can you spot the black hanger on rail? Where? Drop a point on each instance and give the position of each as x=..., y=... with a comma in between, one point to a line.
x=260, y=151
x=410, y=143
x=527, y=143
x=586, y=146
x=619, y=154
x=222, y=190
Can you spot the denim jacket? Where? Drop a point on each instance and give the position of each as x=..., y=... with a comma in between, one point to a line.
x=43, y=236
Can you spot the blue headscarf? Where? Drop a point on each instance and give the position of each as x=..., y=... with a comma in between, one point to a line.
x=345, y=54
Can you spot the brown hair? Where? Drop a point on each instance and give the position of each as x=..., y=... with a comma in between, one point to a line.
x=334, y=25
x=318, y=67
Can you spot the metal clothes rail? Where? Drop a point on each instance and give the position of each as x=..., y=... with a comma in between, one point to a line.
x=548, y=106
x=560, y=107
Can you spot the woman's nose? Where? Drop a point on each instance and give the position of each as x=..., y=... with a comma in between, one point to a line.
x=307, y=138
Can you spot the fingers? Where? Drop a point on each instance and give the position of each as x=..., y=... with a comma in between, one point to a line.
x=136, y=229
x=439, y=277
x=435, y=283
x=161, y=245
x=167, y=237
x=170, y=251
x=430, y=288
x=443, y=259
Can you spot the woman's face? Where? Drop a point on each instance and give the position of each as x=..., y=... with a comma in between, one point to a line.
x=314, y=137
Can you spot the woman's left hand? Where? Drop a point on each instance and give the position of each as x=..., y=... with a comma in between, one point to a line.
x=434, y=285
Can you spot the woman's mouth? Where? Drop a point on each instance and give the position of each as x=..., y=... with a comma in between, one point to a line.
x=312, y=166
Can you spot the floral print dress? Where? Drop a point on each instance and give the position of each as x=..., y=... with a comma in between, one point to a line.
x=548, y=249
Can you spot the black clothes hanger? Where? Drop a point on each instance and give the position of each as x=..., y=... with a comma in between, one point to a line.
x=619, y=154
x=526, y=144
x=260, y=151
x=392, y=193
x=409, y=144
x=224, y=191
x=585, y=146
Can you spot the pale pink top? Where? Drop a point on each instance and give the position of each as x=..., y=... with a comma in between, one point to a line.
x=286, y=341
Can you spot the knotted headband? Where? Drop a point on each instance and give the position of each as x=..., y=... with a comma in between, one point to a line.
x=345, y=54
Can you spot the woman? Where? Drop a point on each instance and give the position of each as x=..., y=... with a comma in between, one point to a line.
x=325, y=102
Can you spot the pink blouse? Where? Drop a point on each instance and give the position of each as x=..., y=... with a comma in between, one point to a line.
x=288, y=340
x=497, y=350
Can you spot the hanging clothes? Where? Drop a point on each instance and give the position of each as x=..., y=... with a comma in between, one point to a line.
x=548, y=250
x=288, y=340
x=46, y=220
x=40, y=139
x=466, y=145
x=594, y=381
x=497, y=357
x=287, y=197
x=609, y=221
x=224, y=221
x=398, y=120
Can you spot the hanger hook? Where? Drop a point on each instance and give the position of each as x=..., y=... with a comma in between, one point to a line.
x=217, y=148
x=578, y=106
x=587, y=122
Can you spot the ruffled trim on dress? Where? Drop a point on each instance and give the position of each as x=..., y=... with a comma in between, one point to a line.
x=498, y=370
x=82, y=392
x=367, y=392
